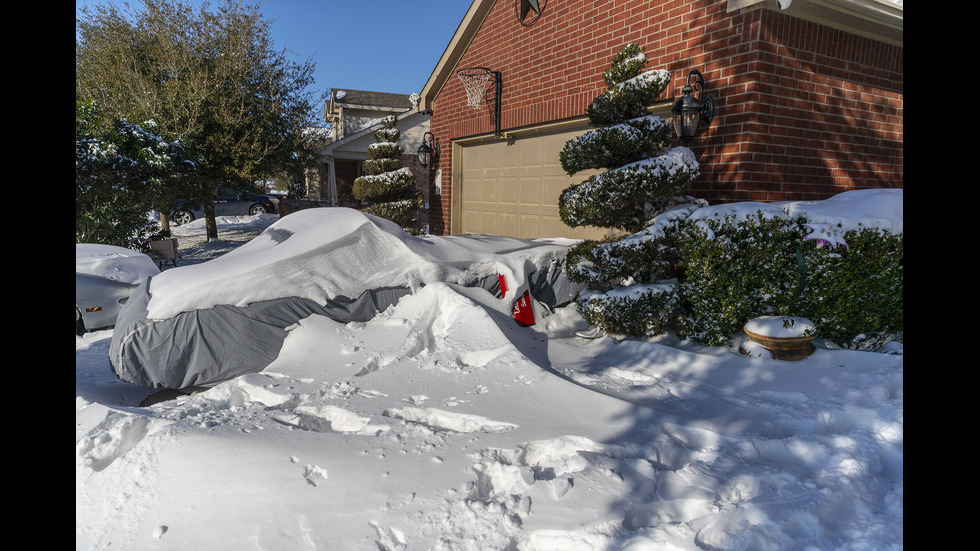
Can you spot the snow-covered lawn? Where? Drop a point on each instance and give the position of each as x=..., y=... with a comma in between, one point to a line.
x=441, y=424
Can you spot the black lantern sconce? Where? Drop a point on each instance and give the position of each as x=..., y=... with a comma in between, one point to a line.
x=429, y=150
x=693, y=114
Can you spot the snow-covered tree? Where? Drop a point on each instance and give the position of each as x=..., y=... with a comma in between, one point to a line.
x=631, y=281
x=123, y=172
x=388, y=186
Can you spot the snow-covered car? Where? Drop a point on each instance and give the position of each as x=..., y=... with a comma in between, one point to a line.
x=201, y=324
x=105, y=277
x=227, y=202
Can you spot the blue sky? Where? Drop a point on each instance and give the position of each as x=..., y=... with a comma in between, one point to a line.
x=382, y=46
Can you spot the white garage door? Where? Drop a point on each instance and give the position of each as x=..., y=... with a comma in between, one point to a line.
x=513, y=190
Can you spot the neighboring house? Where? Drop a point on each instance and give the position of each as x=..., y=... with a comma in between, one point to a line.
x=350, y=111
x=353, y=116
x=341, y=160
x=809, y=97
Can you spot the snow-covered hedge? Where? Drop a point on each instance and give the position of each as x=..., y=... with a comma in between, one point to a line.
x=847, y=278
x=633, y=309
x=647, y=256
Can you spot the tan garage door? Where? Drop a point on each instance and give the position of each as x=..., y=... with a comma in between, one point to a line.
x=513, y=190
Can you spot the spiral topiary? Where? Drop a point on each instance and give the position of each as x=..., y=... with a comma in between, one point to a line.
x=631, y=280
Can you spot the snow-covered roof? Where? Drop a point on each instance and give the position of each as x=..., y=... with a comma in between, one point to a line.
x=366, y=99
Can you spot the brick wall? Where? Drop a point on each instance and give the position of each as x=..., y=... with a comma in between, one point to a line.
x=804, y=111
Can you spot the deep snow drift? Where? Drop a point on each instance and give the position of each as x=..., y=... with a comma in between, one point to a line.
x=442, y=424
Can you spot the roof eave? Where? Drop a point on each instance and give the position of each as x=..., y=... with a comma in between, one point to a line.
x=876, y=19
x=461, y=39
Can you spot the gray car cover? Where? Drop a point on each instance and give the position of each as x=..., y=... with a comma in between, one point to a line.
x=207, y=346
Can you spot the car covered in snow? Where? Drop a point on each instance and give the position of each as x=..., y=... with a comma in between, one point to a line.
x=105, y=277
x=227, y=202
x=201, y=324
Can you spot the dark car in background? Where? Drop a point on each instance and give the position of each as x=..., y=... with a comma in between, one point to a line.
x=227, y=202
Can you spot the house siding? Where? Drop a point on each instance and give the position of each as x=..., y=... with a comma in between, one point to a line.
x=804, y=111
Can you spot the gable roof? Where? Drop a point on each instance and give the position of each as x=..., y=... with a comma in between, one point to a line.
x=878, y=19
x=362, y=99
x=350, y=143
x=461, y=39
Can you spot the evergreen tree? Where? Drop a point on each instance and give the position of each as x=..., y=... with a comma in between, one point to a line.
x=121, y=172
x=631, y=281
x=211, y=78
x=388, y=186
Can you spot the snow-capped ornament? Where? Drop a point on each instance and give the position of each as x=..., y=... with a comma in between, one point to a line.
x=826, y=234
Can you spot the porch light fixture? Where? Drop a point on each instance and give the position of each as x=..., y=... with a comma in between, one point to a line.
x=429, y=150
x=693, y=114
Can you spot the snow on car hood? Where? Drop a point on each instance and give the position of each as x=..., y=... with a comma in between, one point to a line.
x=115, y=263
x=324, y=253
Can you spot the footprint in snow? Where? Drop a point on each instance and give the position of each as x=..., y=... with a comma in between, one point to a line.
x=112, y=439
x=314, y=474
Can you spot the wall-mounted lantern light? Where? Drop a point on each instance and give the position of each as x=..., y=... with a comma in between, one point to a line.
x=693, y=114
x=429, y=150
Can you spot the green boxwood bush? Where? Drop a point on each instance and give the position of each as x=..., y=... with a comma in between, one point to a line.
x=633, y=310
x=740, y=268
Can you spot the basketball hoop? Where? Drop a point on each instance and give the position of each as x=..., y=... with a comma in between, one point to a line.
x=475, y=80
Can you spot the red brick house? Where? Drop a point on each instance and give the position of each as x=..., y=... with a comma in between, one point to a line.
x=809, y=97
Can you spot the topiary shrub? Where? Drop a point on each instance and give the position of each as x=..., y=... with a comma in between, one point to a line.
x=386, y=184
x=631, y=281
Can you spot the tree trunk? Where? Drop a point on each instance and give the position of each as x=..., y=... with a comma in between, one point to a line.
x=209, y=222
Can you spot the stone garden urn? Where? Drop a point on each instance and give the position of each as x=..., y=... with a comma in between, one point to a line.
x=786, y=337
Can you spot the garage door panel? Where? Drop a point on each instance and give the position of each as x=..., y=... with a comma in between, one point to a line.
x=532, y=152
x=488, y=192
x=507, y=224
x=470, y=221
x=530, y=192
x=554, y=144
x=509, y=158
x=490, y=160
x=472, y=193
x=509, y=191
x=489, y=221
x=552, y=225
x=551, y=190
x=530, y=225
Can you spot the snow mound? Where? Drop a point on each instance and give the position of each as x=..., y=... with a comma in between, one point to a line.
x=880, y=209
x=318, y=254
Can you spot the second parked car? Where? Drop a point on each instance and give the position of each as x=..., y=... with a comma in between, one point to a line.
x=105, y=277
x=227, y=202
